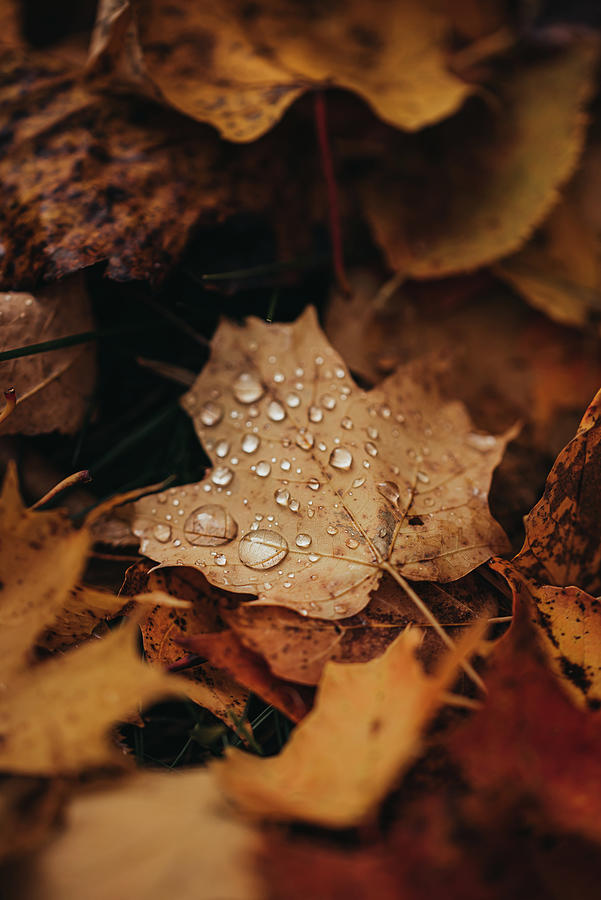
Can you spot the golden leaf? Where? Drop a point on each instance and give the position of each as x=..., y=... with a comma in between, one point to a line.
x=240, y=66
x=375, y=711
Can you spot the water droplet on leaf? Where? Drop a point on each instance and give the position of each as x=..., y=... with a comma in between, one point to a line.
x=341, y=458
x=209, y=526
x=247, y=388
x=222, y=476
x=303, y=540
x=211, y=413
x=262, y=549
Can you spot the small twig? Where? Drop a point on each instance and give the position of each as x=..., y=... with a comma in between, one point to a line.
x=332, y=191
x=82, y=477
x=11, y=404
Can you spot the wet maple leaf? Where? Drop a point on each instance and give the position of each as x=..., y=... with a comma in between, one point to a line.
x=53, y=389
x=376, y=711
x=557, y=571
x=503, y=164
x=240, y=67
x=318, y=486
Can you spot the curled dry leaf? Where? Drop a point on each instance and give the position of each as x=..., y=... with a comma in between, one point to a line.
x=319, y=487
x=558, y=568
x=559, y=270
x=375, y=712
x=88, y=178
x=52, y=388
x=240, y=66
x=504, y=158
x=150, y=835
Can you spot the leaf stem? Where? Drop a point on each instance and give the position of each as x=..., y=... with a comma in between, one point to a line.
x=82, y=477
x=419, y=603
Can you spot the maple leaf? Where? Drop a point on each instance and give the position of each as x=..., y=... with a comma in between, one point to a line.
x=318, y=486
x=144, y=836
x=52, y=389
x=558, y=270
x=556, y=573
x=502, y=168
x=54, y=716
x=376, y=711
x=239, y=68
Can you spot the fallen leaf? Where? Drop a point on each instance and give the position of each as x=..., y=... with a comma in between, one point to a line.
x=559, y=270
x=152, y=834
x=29, y=807
x=297, y=648
x=41, y=558
x=162, y=629
x=505, y=156
x=240, y=67
x=322, y=486
x=89, y=178
x=53, y=389
x=558, y=566
x=374, y=713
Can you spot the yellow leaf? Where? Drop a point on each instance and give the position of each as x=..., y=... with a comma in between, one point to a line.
x=350, y=750
x=240, y=66
x=318, y=486
x=475, y=190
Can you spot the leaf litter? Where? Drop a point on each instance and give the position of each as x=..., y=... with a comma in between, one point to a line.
x=450, y=137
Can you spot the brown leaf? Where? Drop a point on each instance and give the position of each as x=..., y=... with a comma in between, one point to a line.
x=358, y=483
x=240, y=67
x=557, y=569
x=504, y=159
x=297, y=648
x=145, y=837
x=53, y=388
x=90, y=178
x=29, y=807
x=375, y=712
x=162, y=630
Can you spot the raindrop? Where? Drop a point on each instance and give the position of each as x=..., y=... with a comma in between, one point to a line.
x=314, y=557
x=292, y=400
x=253, y=412
x=263, y=469
x=220, y=560
x=314, y=484
x=421, y=476
x=250, y=443
x=222, y=476
x=285, y=465
x=358, y=482
x=262, y=549
x=371, y=448
x=328, y=402
x=352, y=544
x=339, y=372
x=248, y=388
x=384, y=411
x=390, y=491
x=303, y=540
x=341, y=458
x=222, y=449
x=279, y=377
x=162, y=533
x=211, y=413
x=276, y=412
x=481, y=442
x=331, y=529
x=304, y=439
x=294, y=506
x=340, y=608
x=372, y=433
x=322, y=446
x=310, y=512
x=346, y=423
x=210, y=526
x=282, y=497
x=315, y=414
